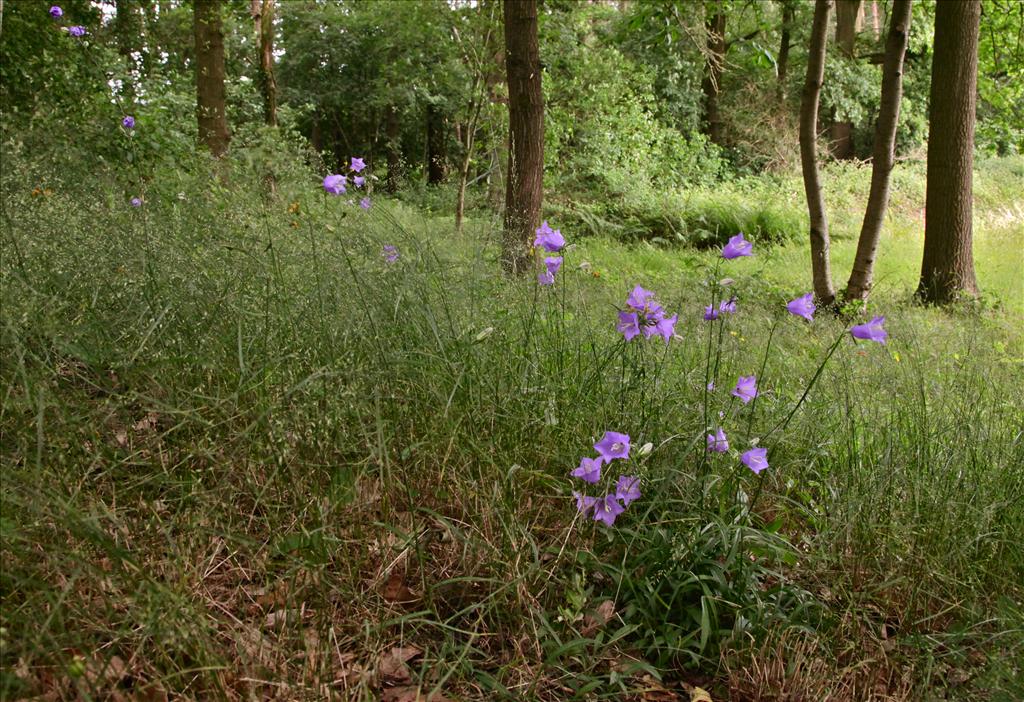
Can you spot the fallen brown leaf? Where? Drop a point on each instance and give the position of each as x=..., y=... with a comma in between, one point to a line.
x=598, y=618
x=392, y=668
x=395, y=590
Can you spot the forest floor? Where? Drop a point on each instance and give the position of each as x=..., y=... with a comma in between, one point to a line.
x=246, y=457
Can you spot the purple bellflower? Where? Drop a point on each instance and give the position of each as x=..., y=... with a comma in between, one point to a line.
x=365, y=203
x=718, y=442
x=335, y=184
x=667, y=327
x=357, y=164
x=584, y=503
x=746, y=388
x=358, y=181
x=613, y=445
x=545, y=278
x=553, y=263
x=76, y=31
x=710, y=313
x=606, y=509
x=872, y=331
x=629, y=324
x=128, y=122
x=56, y=12
x=728, y=306
x=390, y=253
x=136, y=202
x=802, y=306
x=737, y=246
x=589, y=470
x=627, y=489
x=755, y=459
x=551, y=240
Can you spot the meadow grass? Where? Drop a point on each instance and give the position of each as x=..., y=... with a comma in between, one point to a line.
x=244, y=456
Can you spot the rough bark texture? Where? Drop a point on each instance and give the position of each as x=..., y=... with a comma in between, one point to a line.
x=783, y=62
x=947, y=270
x=262, y=12
x=820, y=264
x=846, y=34
x=883, y=155
x=715, y=61
x=210, y=101
x=437, y=153
x=525, y=187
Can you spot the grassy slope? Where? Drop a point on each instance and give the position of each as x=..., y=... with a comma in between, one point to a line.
x=239, y=448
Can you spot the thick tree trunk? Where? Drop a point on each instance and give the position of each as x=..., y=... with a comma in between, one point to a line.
x=846, y=34
x=525, y=187
x=262, y=12
x=820, y=264
x=210, y=101
x=392, y=134
x=947, y=270
x=713, y=65
x=783, y=62
x=437, y=152
x=884, y=153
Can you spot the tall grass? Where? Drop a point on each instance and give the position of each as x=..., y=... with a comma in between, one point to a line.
x=243, y=455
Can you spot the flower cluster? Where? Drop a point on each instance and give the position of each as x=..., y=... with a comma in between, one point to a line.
x=644, y=315
x=613, y=445
x=724, y=307
x=76, y=31
x=337, y=183
x=552, y=241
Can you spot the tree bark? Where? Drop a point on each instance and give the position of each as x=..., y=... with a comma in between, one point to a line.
x=262, y=12
x=947, y=268
x=783, y=62
x=846, y=34
x=884, y=153
x=525, y=186
x=713, y=65
x=437, y=152
x=211, y=112
x=820, y=265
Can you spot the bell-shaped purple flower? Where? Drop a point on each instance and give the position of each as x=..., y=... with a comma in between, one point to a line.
x=755, y=459
x=746, y=388
x=710, y=313
x=589, y=470
x=545, y=278
x=136, y=202
x=584, y=503
x=357, y=164
x=390, y=253
x=640, y=299
x=551, y=240
x=737, y=246
x=872, y=331
x=613, y=445
x=718, y=442
x=553, y=263
x=627, y=489
x=335, y=184
x=727, y=306
x=128, y=122
x=77, y=31
x=802, y=306
x=365, y=203
x=358, y=181
x=606, y=509
x=667, y=327
x=56, y=12
x=629, y=324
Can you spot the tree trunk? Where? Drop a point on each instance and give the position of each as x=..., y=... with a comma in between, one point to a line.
x=783, y=62
x=820, y=264
x=947, y=269
x=437, y=152
x=210, y=102
x=262, y=12
x=467, y=150
x=525, y=186
x=392, y=134
x=846, y=34
x=884, y=153
x=714, y=62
